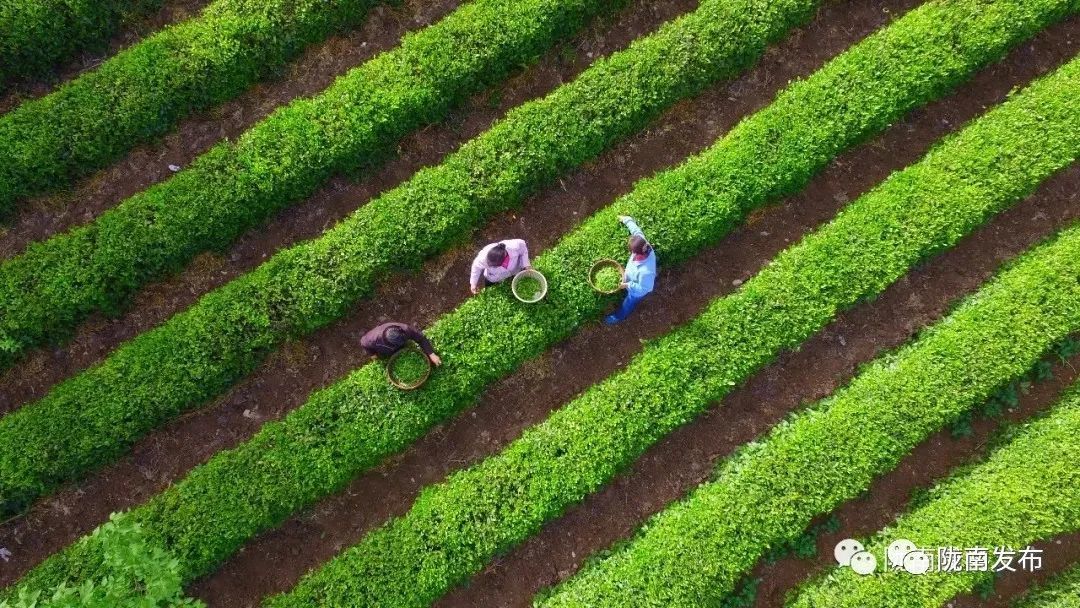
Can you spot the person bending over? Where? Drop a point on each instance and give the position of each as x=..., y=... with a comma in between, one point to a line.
x=389, y=338
x=497, y=262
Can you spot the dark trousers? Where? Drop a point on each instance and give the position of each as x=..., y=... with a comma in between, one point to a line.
x=628, y=305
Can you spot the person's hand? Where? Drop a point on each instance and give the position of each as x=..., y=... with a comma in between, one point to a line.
x=528, y=267
x=625, y=218
x=474, y=289
x=624, y=285
x=435, y=359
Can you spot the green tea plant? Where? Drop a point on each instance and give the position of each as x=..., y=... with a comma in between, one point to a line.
x=290, y=464
x=35, y=35
x=236, y=185
x=144, y=90
x=454, y=528
x=199, y=353
x=768, y=493
x=1015, y=498
x=140, y=576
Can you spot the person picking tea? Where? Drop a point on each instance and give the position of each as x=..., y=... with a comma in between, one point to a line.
x=640, y=275
x=389, y=338
x=497, y=262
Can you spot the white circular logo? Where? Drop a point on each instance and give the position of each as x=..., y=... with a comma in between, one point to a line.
x=898, y=550
x=863, y=563
x=845, y=549
x=917, y=562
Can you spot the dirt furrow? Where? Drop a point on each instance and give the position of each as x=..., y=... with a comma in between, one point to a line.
x=890, y=495
x=291, y=374
x=273, y=561
x=1059, y=554
x=824, y=363
x=42, y=368
x=299, y=368
x=171, y=12
x=148, y=164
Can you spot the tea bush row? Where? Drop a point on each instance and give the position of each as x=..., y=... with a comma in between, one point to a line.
x=1017, y=497
x=236, y=185
x=199, y=353
x=456, y=527
x=144, y=90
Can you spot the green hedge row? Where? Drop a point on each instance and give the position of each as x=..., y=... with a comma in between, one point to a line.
x=357, y=422
x=697, y=549
x=1063, y=591
x=141, y=576
x=35, y=35
x=144, y=90
x=456, y=527
x=234, y=186
x=198, y=353
x=1024, y=492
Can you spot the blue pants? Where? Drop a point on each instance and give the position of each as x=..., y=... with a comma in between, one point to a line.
x=628, y=305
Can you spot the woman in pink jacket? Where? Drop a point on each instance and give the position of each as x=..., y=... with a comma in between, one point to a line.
x=497, y=262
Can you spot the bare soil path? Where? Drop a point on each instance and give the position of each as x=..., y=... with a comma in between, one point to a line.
x=31, y=378
x=275, y=560
x=171, y=12
x=889, y=497
x=298, y=369
x=148, y=164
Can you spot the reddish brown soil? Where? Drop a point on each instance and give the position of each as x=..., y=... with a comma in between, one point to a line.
x=824, y=363
x=148, y=164
x=888, y=497
x=297, y=369
x=1059, y=554
x=171, y=11
x=43, y=368
x=291, y=374
x=528, y=397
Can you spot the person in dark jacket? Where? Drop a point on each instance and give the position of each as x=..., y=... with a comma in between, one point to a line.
x=389, y=338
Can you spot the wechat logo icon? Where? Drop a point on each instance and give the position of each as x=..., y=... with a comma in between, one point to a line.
x=850, y=552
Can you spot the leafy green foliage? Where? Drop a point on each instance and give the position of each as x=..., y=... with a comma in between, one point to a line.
x=1008, y=396
x=805, y=545
x=1018, y=496
x=984, y=589
x=141, y=92
x=744, y=597
x=140, y=575
x=454, y=528
x=1067, y=349
x=356, y=122
x=357, y=422
x=409, y=366
x=1003, y=399
x=607, y=279
x=769, y=492
x=199, y=353
x=528, y=288
x=35, y=35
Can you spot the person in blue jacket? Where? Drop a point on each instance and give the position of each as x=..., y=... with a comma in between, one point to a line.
x=640, y=275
